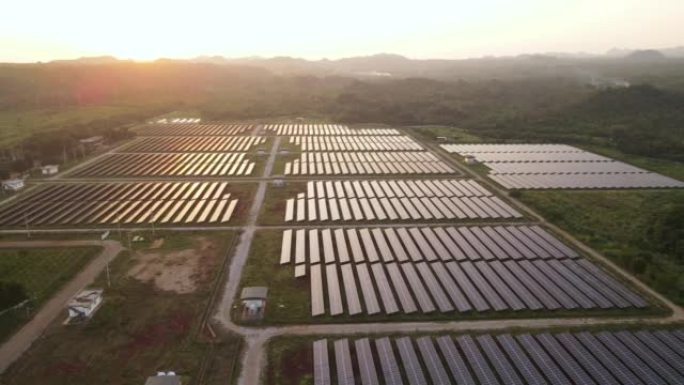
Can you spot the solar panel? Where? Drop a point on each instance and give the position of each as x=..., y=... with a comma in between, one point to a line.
x=544, y=362
x=469, y=289
x=300, y=246
x=479, y=364
x=317, y=301
x=345, y=372
x=414, y=372
x=505, y=292
x=457, y=366
x=286, y=247
x=369, y=297
x=632, y=361
x=432, y=284
x=498, y=359
x=321, y=365
x=418, y=289
x=384, y=288
x=451, y=288
x=516, y=286
x=364, y=357
x=390, y=370
x=584, y=357
x=407, y=304
x=647, y=355
x=520, y=360
x=432, y=361
x=661, y=349
x=341, y=243
x=351, y=294
x=571, y=367
x=334, y=295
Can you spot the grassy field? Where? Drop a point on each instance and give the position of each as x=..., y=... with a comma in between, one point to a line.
x=150, y=320
x=620, y=224
x=17, y=125
x=41, y=272
x=289, y=299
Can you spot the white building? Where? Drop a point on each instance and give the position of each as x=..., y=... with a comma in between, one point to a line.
x=13, y=184
x=83, y=305
x=50, y=169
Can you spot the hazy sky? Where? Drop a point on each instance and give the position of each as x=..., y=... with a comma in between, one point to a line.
x=32, y=30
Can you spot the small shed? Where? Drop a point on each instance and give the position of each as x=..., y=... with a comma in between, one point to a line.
x=84, y=305
x=253, y=300
x=162, y=378
x=13, y=184
x=50, y=169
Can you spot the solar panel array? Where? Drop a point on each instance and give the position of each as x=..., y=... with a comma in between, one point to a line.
x=203, y=129
x=462, y=269
x=366, y=163
x=602, y=358
x=168, y=165
x=356, y=143
x=544, y=166
x=121, y=203
x=325, y=129
x=585, y=181
x=193, y=144
x=379, y=200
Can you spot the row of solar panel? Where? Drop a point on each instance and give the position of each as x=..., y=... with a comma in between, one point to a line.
x=395, y=188
x=369, y=168
x=356, y=143
x=565, y=168
x=585, y=181
x=402, y=244
x=509, y=148
x=465, y=286
x=168, y=164
x=112, y=203
x=394, y=209
x=600, y=358
x=366, y=157
x=325, y=129
x=203, y=129
x=193, y=144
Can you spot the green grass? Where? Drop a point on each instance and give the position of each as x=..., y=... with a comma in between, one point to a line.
x=289, y=299
x=18, y=125
x=139, y=329
x=42, y=272
x=619, y=224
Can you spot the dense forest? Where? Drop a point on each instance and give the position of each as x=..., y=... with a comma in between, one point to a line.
x=513, y=103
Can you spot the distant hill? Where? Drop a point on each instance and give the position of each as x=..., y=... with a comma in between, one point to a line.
x=91, y=60
x=646, y=54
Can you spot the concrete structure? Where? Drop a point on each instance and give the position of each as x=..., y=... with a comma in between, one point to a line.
x=83, y=305
x=13, y=184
